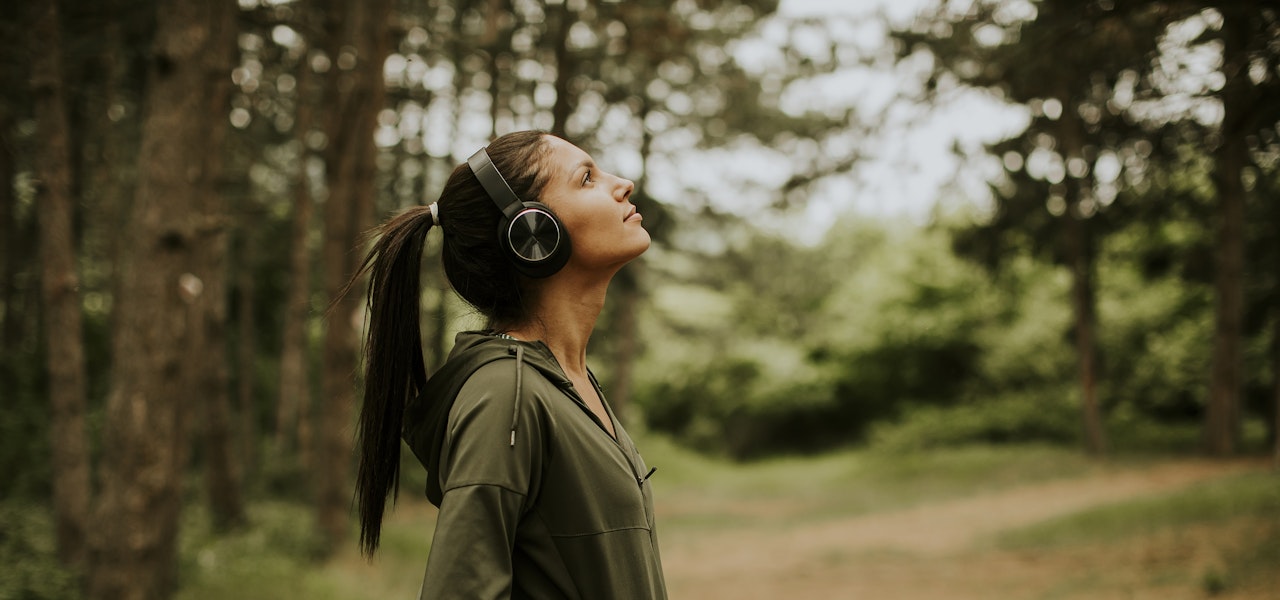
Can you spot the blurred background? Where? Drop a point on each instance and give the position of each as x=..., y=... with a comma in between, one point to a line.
x=948, y=299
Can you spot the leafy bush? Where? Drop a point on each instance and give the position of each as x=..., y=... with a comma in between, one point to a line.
x=24, y=426
x=734, y=405
x=1012, y=419
x=1157, y=333
x=881, y=328
x=31, y=567
x=281, y=540
x=896, y=328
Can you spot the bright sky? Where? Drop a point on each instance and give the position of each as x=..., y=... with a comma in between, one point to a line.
x=909, y=166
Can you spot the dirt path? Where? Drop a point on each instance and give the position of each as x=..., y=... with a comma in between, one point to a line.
x=929, y=551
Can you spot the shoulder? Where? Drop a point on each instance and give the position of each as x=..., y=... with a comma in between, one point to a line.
x=496, y=386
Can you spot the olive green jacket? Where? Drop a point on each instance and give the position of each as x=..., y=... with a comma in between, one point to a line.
x=536, y=499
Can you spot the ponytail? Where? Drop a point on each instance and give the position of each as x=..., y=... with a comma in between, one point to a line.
x=394, y=366
x=477, y=269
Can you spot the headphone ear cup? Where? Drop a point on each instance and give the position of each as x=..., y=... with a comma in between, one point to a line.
x=536, y=240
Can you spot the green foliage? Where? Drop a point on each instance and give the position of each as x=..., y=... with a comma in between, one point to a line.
x=1047, y=416
x=31, y=567
x=889, y=322
x=24, y=425
x=1214, y=582
x=278, y=556
x=24, y=448
x=262, y=561
x=880, y=333
x=735, y=404
x=282, y=476
x=1155, y=335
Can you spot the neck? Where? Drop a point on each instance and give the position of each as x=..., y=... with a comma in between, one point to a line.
x=564, y=315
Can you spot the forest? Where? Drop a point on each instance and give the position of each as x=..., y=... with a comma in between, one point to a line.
x=186, y=187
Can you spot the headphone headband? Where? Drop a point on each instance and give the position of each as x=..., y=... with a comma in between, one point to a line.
x=494, y=184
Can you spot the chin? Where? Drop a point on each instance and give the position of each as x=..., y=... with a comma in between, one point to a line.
x=642, y=247
x=612, y=254
x=621, y=259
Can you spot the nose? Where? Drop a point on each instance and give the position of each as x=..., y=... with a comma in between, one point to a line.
x=623, y=191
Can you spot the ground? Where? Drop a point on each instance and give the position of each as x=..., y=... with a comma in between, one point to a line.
x=946, y=549
x=982, y=523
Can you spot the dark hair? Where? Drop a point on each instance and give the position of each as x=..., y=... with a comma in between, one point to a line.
x=477, y=269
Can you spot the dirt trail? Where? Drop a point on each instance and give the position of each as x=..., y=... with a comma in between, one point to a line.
x=845, y=558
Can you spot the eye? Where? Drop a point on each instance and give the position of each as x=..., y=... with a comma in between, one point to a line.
x=586, y=178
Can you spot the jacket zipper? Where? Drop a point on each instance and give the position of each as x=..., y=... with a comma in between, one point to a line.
x=573, y=394
x=569, y=390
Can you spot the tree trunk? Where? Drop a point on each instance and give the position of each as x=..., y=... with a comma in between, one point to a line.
x=1083, y=301
x=60, y=292
x=1222, y=415
x=246, y=353
x=133, y=541
x=492, y=40
x=1079, y=255
x=109, y=182
x=207, y=363
x=295, y=389
x=10, y=245
x=628, y=291
x=626, y=335
x=1275, y=389
x=355, y=93
x=558, y=29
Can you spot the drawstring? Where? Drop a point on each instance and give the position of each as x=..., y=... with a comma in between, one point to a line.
x=515, y=405
x=518, y=351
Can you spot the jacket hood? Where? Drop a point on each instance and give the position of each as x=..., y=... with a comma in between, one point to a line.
x=426, y=417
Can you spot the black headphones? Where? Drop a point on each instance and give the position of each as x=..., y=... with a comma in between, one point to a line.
x=536, y=242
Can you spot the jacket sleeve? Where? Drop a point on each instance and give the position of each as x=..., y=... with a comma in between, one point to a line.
x=488, y=483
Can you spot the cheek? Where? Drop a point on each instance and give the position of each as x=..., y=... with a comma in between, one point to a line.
x=601, y=242
x=586, y=225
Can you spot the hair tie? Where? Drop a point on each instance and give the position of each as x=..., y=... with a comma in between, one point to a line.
x=435, y=214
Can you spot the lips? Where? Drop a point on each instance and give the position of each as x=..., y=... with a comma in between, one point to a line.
x=632, y=215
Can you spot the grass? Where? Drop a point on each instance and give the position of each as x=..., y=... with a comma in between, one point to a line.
x=1218, y=537
x=276, y=557
x=1249, y=495
x=848, y=483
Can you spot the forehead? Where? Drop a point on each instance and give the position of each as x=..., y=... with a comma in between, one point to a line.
x=563, y=158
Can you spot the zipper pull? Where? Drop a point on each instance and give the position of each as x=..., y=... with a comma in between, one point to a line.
x=641, y=481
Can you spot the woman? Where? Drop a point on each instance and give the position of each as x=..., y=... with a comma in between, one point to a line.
x=541, y=492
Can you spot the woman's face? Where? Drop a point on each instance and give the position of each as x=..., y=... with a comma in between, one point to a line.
x=595, y=208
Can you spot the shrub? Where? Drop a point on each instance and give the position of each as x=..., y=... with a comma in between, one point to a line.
x=31, y=568
x=1048, y=415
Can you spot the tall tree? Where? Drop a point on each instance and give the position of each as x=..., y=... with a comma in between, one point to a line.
x=295, y=388
x=656, y=61
x=15, y=227
x=1222, y=414
x=207, y=365
x=560, y=20
x=1063, y=59
x=1079, y=246
x=357, y=41
x=246, y=351
x=64, y=338
x=9, y=234
x=1275, y=388
x=133, y=543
